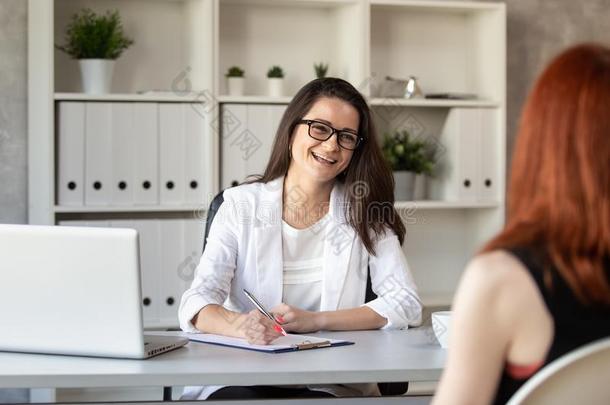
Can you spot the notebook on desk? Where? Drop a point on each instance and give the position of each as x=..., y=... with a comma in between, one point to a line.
x=283, y=344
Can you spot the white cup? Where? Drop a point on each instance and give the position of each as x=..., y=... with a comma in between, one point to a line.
x=440, y=324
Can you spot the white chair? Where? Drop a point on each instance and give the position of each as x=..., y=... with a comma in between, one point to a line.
x=579, y=377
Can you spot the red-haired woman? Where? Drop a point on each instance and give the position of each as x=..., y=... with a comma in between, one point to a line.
x=541, y=287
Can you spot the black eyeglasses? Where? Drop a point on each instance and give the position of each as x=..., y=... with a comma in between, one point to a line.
x=322, y=132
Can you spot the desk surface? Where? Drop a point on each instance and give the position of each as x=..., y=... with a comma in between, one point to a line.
x=377, y=356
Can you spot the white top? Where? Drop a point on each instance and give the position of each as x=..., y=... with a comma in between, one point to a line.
x=303, y=258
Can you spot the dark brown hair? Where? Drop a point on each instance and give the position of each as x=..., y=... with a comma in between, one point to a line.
x=368, y=180
x=559, y=193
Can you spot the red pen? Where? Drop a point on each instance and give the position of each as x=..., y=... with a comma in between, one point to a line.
x=278, y=328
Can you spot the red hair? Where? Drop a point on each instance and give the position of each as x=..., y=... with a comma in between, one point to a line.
x=559, y=191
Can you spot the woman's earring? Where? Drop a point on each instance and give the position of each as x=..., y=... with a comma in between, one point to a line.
x=290, y=151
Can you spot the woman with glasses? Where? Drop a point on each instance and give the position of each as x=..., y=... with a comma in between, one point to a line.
x=303, y=237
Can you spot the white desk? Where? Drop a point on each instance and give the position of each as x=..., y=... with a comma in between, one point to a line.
x=377, y=356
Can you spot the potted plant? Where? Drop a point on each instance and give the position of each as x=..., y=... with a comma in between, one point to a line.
x=320, y=69
x=235, y=81
x=96, y=41
x=408, y=158
x=275, y=80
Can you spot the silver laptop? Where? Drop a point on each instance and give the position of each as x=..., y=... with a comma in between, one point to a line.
x=73, y=290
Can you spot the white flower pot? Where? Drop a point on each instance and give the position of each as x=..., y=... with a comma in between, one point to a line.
x=96, y=75
x=419, y=190
x=236, y=86
x=276, y=86
x=404, y=185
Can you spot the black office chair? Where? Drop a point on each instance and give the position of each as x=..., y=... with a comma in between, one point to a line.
x=393, y=388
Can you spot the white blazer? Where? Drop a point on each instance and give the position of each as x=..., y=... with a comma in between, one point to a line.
x=244, y=250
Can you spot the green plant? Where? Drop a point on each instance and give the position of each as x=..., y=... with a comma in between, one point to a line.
x=320, y=69
x=92, y=36
x=405, y=153
x=235, y=71
x=275, y=72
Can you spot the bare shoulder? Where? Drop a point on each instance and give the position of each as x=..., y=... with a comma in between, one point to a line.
x=497, y=269
x=499, y=278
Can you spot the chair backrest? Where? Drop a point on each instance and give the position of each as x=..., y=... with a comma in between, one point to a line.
x=213, y=209
x=581, y=376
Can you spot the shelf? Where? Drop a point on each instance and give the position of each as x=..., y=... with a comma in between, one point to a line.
x=290, y=3
x=172, y=49
x=257, y=34
x=444, y=204
x=451, y=47
x=159, y=98
x=425, y=102
x=114, y=209
x=442, y=6
x=253, y=100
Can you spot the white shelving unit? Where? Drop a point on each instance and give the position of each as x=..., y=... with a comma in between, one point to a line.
x=184, y=47
x=167, y=97
x=152, y=209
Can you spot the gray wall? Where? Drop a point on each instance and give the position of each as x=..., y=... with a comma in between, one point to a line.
x=538, y=30
x=13, y=109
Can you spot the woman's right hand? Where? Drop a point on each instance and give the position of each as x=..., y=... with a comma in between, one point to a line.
x=258, y=329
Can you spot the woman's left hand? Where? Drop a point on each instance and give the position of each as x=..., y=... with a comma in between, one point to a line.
x=297, y=320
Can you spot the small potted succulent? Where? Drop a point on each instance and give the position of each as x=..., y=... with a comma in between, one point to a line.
x=275, y=80
x=235, y=81
x=320, y=69
x=96, y=41
x=408, y=158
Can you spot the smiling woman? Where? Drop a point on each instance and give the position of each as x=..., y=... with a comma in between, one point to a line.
x=303, y=237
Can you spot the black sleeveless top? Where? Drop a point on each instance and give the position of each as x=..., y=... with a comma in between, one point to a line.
x=575, y=324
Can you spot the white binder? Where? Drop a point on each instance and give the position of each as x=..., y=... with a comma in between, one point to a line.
x=98, y=153
x=150, y=255
x=172, y=146
x=491, y=164
x=146, y=154
x=247, y=133
x=197, y=148
x=71, y=144
x=234, y=123
x=193, y=248
x=123, y=150
x=172, y=258
x=458, y=169
x=263, y=121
